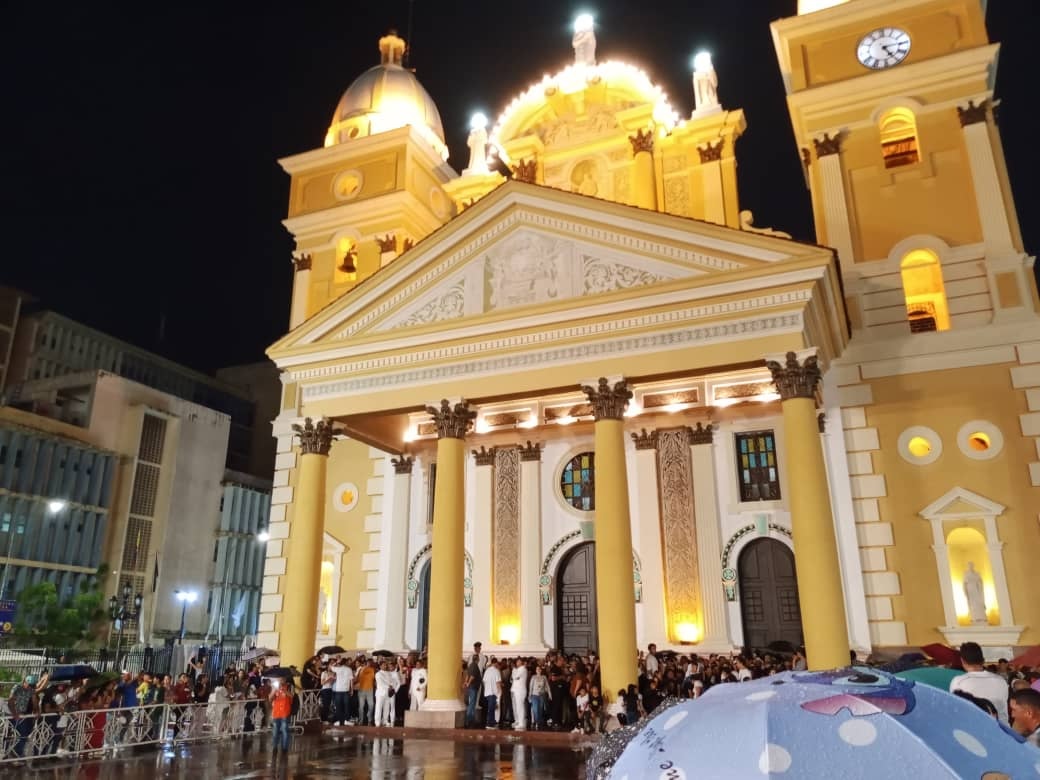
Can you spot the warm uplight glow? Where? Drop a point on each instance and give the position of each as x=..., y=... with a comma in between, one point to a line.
x=767, y=397
x=979, y=441
x=919, y=446
x=566, y=420
x=672, y=408
x=187, y=596
x=724, y=402
x=481, y=426
x=633, y=410
x=56, y=506
x=508, y=634
x=478, y=122
x=584, y=22
x=702, y=61
x=687, y=633
x=410, y=434
x=530, y=422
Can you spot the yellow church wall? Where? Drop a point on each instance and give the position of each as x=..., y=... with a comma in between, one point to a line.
x=349, y=462
x=317, y=190
x=1005, y=188
x=828, y=54
x=945, y=401
x=940, y=187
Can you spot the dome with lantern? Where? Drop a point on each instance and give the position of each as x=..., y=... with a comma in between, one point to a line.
x=385, y=97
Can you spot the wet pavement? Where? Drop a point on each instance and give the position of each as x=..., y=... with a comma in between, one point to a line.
x=313, y=757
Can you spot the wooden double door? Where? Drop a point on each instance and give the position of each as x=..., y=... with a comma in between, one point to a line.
x=769, y=594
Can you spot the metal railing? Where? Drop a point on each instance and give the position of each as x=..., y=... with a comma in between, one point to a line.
x=94, y=733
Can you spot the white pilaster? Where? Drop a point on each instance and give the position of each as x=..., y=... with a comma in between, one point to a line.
x=301, y=291
x=395, y=558
x=483, y=510
x=655, y=624
x=989, y=196
x=530, y=549
x=714, y=199
x=709, y=550
x=835, y=206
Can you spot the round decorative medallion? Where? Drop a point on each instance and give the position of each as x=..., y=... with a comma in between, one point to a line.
x=345, y=497
x=439, y=203
x=729, y=575
x=347, y=185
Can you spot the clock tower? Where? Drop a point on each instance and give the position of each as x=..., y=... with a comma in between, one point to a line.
x=892, y=107
x=938, y=391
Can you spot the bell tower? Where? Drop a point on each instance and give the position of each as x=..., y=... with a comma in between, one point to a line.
x=892, y=107
x=374, y=188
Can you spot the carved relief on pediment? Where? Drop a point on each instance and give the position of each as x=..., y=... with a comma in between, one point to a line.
x=528, y=268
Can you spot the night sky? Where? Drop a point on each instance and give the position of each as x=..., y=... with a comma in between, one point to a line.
x=139, y=173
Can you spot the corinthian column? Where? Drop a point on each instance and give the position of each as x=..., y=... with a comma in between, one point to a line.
x=644, y=187
x=615, y=594
x=448, y=557
x=299, y=623
x=832, y=195
x=812, y=523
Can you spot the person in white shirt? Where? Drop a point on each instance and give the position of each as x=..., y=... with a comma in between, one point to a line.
x=387, y=681
x=492, y=690
x=650, y=662
x=978, y=682
x=482, y=660
x=341, y=690
x=518, y=689
x=417, y=688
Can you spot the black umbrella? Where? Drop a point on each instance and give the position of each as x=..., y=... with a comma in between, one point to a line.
x=331, y=650
x=384, y=653
x=65, y=672
x=281, y=672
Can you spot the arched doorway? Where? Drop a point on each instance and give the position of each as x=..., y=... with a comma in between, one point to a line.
x=576, y=627
x=769, y=594
x=424, y=608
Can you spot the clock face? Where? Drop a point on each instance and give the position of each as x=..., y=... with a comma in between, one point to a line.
x=883, y=48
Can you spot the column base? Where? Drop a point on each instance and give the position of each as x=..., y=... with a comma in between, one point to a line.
x=436, y=714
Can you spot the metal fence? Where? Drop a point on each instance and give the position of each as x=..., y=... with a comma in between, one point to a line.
x=96, y=733
x=159, y=660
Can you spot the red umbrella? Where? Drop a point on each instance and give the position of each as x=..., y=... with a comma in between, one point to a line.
x=1030, y=657
x=943, y=655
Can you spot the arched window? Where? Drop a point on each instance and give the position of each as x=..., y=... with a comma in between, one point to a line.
x=925, y=294
x=899, y=138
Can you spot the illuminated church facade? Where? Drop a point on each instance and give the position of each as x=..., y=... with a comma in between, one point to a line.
x=591, y=406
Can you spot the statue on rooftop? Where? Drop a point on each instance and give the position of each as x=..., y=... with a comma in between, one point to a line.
x=584, y=41
x=705, y=84
x=477, y=143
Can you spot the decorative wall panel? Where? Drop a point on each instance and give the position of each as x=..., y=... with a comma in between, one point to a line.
x=678, y=527
x=505, y=598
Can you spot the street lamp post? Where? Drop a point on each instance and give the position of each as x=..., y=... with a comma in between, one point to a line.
x=121, y=610
x=185, y=597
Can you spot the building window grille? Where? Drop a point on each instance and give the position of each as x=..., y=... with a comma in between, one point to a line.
x=578, y=481
x=153, y=436
x=759, y=478
x=135, y=548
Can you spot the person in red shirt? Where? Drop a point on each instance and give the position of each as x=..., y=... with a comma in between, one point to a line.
x=281, y=710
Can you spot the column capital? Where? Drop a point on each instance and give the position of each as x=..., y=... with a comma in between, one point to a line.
x=797, y=376
x=315, y=437
x=484, y=456
x=711, y=152
x=642, y=141
x=827, y=144
x=526, y=170
x=301, y=262
x=971, y=113
x=403, y=464
x=387, y=243
x=608, y=402
x=532, y=452
x=452, y=421
x=644, y=440
x=701, y=433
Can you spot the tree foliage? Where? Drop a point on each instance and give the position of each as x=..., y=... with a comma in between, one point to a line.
x=43, y=620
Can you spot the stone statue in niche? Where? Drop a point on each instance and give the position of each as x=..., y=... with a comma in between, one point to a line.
x=976, y=596
x=585, y=178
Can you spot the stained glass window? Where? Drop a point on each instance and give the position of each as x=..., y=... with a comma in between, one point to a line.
x=756, y=466
x=578, y=482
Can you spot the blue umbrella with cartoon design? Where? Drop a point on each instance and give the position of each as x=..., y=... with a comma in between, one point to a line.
x=848, y=723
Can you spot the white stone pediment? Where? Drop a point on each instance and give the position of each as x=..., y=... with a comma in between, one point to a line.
x=530, y=267
x=961, y=503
